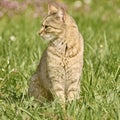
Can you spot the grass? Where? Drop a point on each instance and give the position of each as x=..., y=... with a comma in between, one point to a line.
x=21, y=49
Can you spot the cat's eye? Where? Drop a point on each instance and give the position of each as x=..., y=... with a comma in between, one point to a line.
x=46, y=26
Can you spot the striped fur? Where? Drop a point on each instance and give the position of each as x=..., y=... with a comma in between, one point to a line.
x=61, y=64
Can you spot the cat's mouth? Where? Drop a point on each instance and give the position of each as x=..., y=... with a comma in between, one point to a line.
x=48, y=37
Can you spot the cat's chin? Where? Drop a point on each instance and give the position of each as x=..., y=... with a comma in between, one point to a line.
x=48, y=38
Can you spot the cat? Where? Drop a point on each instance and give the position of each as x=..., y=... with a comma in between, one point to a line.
x=58, y=73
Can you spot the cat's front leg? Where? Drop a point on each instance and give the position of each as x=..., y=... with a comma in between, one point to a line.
x=57, y=78
x=73, y=81
x=58, y=89
x=73, y=90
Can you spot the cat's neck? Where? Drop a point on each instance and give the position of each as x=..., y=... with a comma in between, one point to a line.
x=59, y=46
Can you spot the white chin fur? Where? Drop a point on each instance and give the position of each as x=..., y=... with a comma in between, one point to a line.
x=48, y=37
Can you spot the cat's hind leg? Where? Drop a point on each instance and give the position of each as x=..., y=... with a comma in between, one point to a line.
x=37, y=90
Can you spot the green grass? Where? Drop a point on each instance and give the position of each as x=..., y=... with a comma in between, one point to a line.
x=100, y=82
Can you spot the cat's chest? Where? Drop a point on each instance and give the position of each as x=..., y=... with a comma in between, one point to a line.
x=60, y=65
x=57, y=57
x=57, y=61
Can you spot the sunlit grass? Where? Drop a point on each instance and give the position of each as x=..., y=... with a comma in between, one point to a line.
x=20, y=52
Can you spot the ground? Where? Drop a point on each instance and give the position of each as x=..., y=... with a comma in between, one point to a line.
x=21, y=49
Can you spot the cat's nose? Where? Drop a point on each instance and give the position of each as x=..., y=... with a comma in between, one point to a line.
x=40, y=32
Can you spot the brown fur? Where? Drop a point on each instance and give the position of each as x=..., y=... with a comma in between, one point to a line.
x=61, y=64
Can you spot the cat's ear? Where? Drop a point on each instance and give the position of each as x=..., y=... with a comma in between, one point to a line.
x=61, y=14
x=52, y=9
x=58, y=10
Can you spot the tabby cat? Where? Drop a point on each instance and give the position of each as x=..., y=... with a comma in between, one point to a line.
x=61, y=64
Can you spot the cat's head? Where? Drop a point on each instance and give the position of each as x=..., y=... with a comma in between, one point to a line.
x=53, y=24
